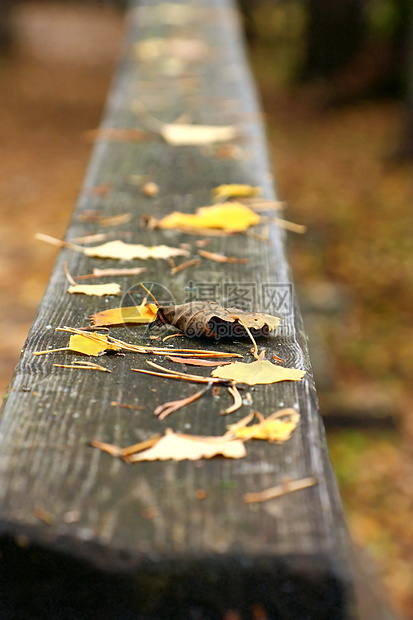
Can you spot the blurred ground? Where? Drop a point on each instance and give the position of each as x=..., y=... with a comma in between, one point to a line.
x=53, y=87
x=352, y=268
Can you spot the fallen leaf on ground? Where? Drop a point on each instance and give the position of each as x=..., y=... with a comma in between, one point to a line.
x=258, y=372
x=277, y=427
x=220, y=258
x=112, y=288
x=235, y=191
x=207, y=318
x=130, y=314
x=288, y=486
x=179, y=447
x=228, y=216
x=118, y=250
x=86, y=343
x=180, y=134
x=129, y=251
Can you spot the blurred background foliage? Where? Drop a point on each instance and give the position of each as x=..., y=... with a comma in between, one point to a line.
x=335, y=79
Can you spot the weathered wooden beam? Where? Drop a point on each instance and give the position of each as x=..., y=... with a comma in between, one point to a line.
x=289, y=555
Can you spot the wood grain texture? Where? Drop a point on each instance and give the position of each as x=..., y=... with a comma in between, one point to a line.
x=289, y=554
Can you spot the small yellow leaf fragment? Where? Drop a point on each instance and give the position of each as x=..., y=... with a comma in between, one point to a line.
x=91, y=345
x=235, y=191
x=128, y=251
x=130, y=314
x=258, y=372
x=179, y=447
x=277, y=427
x=112, y=288
x=230, y=216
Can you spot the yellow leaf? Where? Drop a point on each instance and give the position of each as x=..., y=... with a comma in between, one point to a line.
x=130, y=314
x=230, y=216
x=236, y=191
x=179, y=447
x=112, y=288
x=91, y=345
x=273, y=428
x=261, y=371
x=180, y=134
x=193, y=135
x=128, y=251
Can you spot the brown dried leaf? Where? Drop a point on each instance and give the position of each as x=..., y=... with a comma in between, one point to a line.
x=260, y=371
x=207, y=318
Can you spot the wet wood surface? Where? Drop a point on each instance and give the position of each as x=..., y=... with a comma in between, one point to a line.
x=147, y=520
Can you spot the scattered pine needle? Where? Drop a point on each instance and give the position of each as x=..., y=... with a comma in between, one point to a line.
x=233, y=390
x=172, y=336
x=90, y=238
x=168, y=374
x=288, y=486
x=182, y=266
x=104, y=273
x=162, y=411
x=291, y=226
x=220, y=258
x=195, y=362
x=114, y=403
x=106, y=447
x=83, y=365
x=115, y=220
